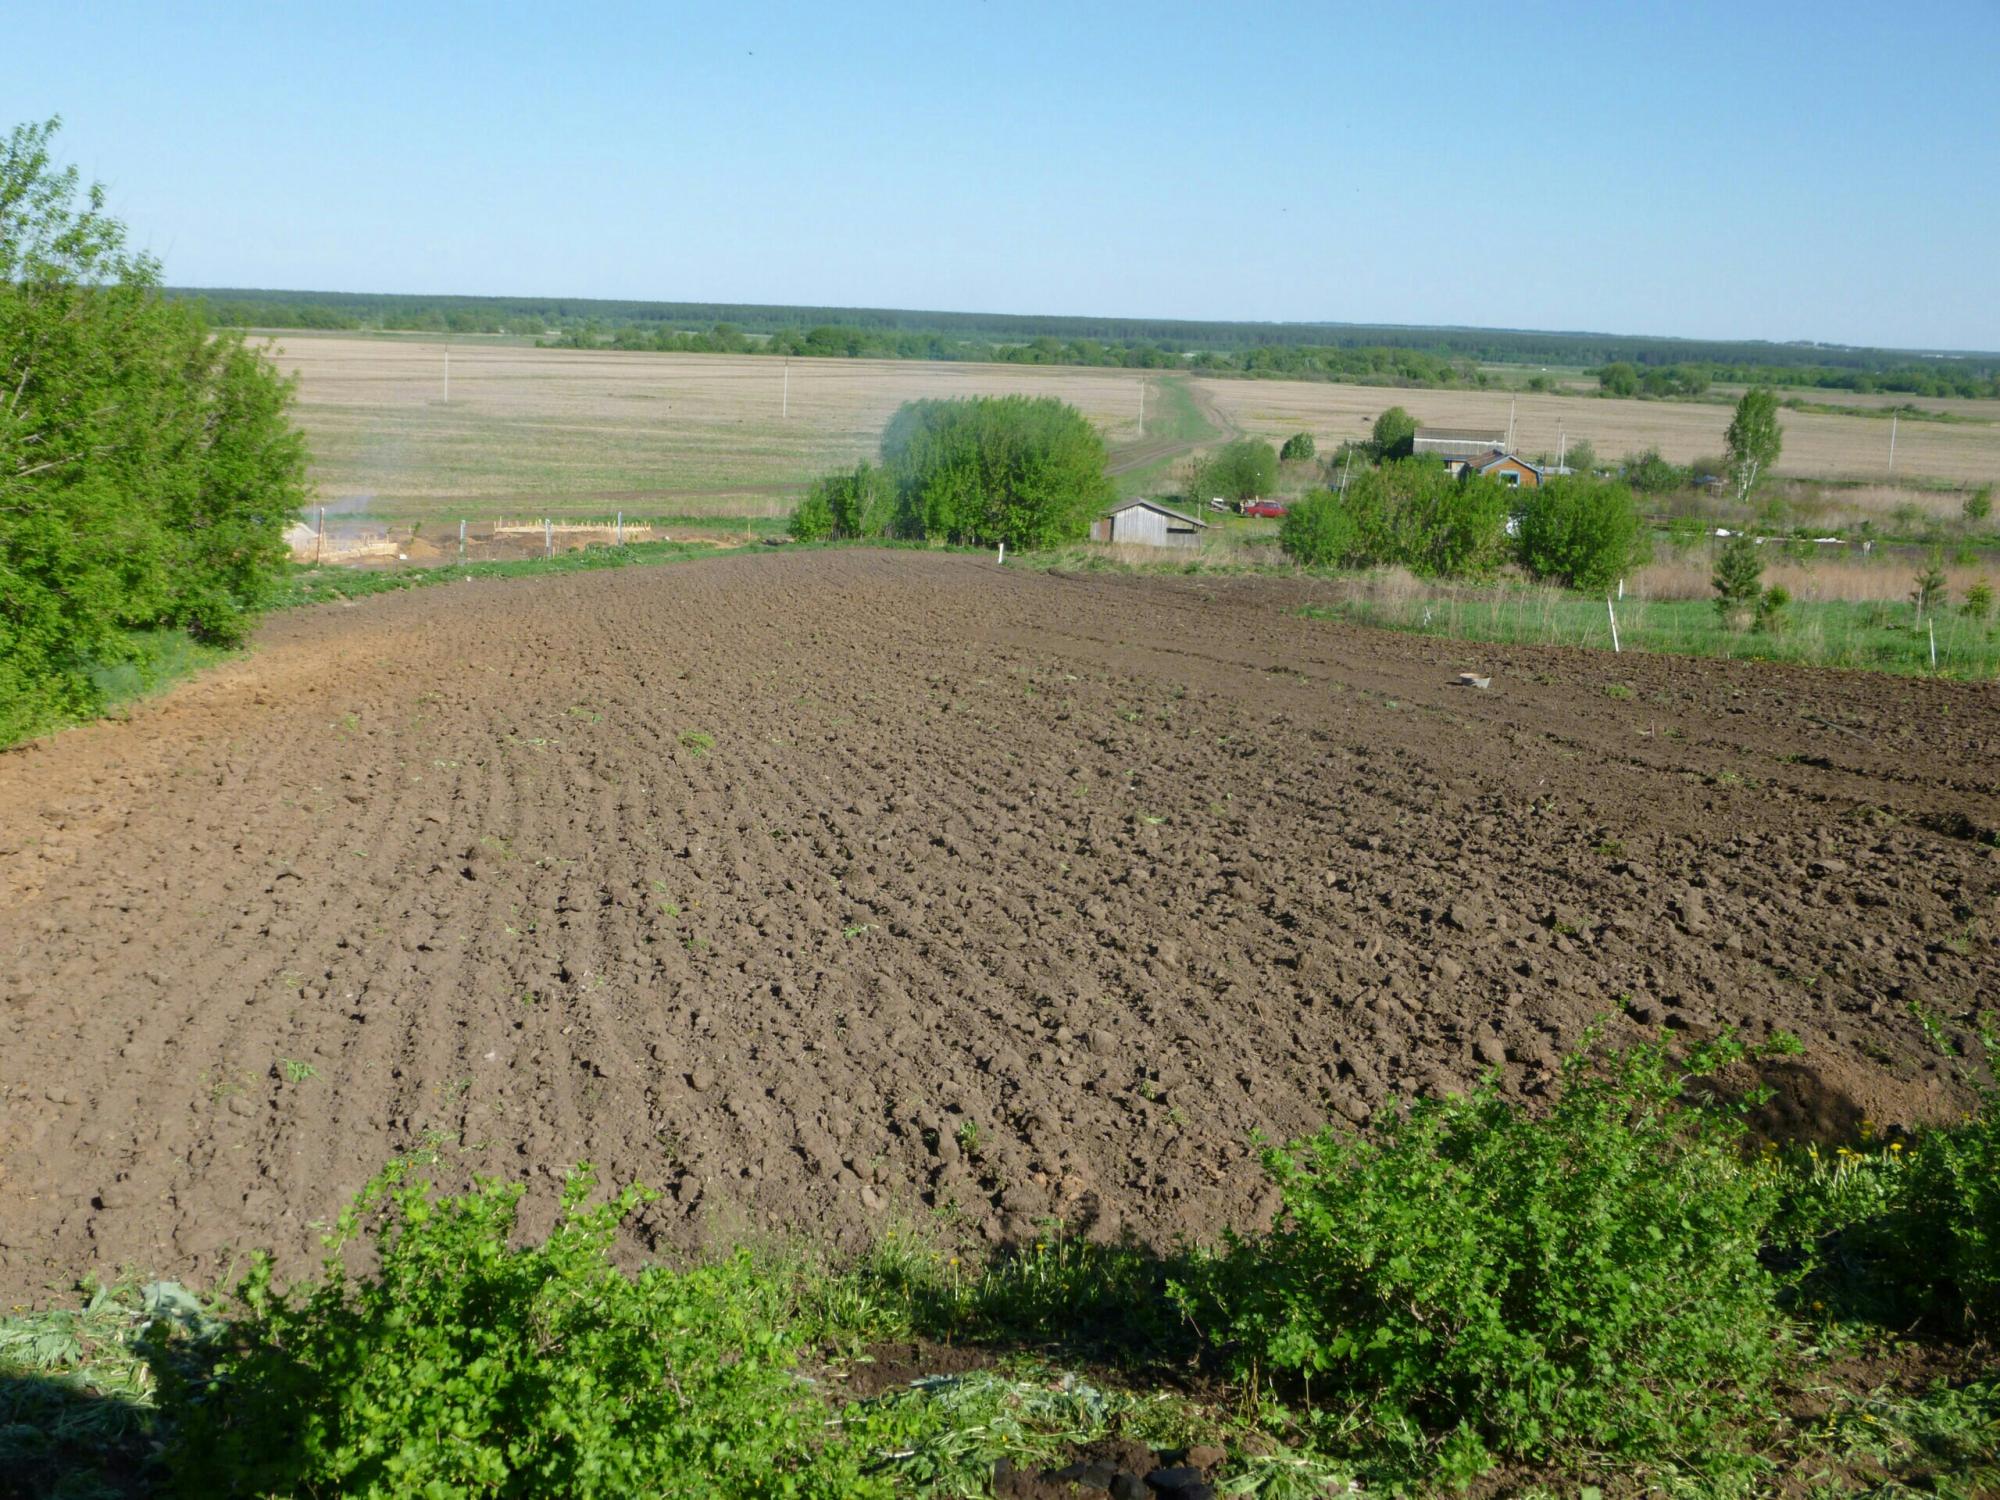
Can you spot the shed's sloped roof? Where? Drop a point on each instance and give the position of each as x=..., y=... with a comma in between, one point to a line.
x=1153, y=505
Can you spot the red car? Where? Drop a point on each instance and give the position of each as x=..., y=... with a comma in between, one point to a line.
x=1269, y=508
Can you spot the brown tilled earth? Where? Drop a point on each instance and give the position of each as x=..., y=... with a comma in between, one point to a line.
x=1112, y=871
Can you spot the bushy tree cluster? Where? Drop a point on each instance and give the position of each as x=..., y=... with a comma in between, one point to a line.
x=1580, y=531
x=1410, y=512
x=1298, y=446
x=1241, y=470
x=147, y=467
x=1027, y=471
x=855, y=502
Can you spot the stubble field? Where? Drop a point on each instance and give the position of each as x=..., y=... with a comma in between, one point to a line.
x=1817, y=446
x=531, y=432
x=836, y=891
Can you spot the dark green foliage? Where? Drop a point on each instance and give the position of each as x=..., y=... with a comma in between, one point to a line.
x=1618, y=379
x=1319, y=531
x=1979, y=600
x=1027, y=471
x=1754, y=440
x=1584, y=1283
x=464, y=1366
x=1394, y=433
x=1738, y=579
x=1580, y=531
x=1299, y=445
x=147, y=470
x=1771, y=607
x=813, y=520
x=1650, y=474
x=1412, y=514
x=847, y=503
x=1242, y=470
x=1952, y=1203
x=1979, y=504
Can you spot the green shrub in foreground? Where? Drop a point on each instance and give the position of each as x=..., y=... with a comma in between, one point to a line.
x=1538, y=1289
x=464, y=1366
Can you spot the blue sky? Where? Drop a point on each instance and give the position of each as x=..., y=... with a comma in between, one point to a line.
x=1827, y=171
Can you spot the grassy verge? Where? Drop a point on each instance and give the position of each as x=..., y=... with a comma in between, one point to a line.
x=1876, y=637
x=1618, y=1293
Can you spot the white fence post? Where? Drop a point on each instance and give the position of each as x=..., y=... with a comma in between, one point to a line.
x=1614, y=626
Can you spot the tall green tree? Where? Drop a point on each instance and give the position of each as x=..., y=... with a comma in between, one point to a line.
x=1580, y=531
x=1753, y=440
x=147, y=469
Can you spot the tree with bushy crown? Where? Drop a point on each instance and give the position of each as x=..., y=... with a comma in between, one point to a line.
x=1239, y=471
x=1395, y=433
x=1299, y=445
x=1027, y=471
x=1580, y=531
x=1753, y=440
x=147, y=467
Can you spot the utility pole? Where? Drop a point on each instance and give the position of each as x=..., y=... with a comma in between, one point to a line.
x=1894, y=418
x=1142, y=406
x=1510, y=424
x=785, y=404
x=447, y=374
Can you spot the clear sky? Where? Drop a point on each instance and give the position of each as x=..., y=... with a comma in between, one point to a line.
x=1709, y=168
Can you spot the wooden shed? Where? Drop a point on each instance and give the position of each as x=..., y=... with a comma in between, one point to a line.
x=1510, y=470
x=1147, y=523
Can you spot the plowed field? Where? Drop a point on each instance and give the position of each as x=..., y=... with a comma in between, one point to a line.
x=830, y=890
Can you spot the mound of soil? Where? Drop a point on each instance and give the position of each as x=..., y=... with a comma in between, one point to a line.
x=828, y=891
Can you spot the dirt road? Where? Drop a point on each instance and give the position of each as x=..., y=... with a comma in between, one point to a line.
x=831, y=890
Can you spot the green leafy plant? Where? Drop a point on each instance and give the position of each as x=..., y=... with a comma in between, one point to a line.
x=1298, y=446
x=1978, y=600
x=463, y=1365
x=1534, y=1289
x=1579, y=531
x=1771, y=606
x=696, y=742
x=1928, y=590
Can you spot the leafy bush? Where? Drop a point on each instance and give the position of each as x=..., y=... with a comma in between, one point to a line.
x=1580, y=531
x=846, y=503
x=1319, y=531
x=1394, y=434
x=147, y=468
x=812, y=521
x=1411, y=513
x=1028, y=471
x=1979, y=600
x=1979, y=504
x=1771, y=606
x=1952, y=1199
x=1650, y=474
x=1241, y=470
x=463, y=1366
x=1582, y=1283
x=1299, y=445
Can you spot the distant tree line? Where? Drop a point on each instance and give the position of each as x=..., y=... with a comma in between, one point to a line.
x=1252, y=348
x=1623, y=378
x=148, y=467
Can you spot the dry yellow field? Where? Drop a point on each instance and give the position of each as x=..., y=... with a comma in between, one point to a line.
x=530, y=431
x=1816, y=446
